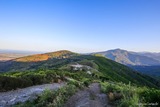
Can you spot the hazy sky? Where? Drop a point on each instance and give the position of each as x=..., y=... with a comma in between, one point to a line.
x=80, y=25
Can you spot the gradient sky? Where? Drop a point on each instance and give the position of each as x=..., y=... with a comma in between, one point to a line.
x=80, y=25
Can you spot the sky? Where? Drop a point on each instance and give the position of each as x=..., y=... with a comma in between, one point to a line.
x=80, y=25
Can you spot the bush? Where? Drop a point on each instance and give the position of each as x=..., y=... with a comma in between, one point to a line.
x=151, y=95
x=75, y=83
x=122, y=94
x=10, y=83
x=87, y=82
x=129, y=101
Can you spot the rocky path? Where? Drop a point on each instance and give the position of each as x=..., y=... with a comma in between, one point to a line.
x=21, y=95
x=89, y=97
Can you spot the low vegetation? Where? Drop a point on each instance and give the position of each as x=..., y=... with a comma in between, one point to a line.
x=15, y=80
x=122, y=95
x=57, y=98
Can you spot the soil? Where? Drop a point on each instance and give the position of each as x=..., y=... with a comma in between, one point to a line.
x=89, y=97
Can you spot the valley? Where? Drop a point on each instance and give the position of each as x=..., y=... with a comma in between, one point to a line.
x=149, y=70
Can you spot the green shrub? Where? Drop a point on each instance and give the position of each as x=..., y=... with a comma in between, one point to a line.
x=131, y=101
x=151, y=95
x=75, y=83
x=46, y=97
x=10, y=83
x=129, y=98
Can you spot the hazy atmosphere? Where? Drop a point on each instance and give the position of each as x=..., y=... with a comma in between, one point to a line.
x=79, y=53
x=80, y=26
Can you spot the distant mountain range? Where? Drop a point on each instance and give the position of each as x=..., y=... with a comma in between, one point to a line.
x=132, y=58
x=125, y=57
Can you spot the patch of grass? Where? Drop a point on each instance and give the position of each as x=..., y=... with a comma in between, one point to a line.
x=130, y=101
x=121, y=94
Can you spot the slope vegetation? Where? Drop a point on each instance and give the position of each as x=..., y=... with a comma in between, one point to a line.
x=58, y=68
x=106, y=69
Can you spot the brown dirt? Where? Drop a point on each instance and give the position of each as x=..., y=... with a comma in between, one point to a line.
x=89, y=97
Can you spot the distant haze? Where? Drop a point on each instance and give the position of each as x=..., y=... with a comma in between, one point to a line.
x=7, y=51
x=6, y=55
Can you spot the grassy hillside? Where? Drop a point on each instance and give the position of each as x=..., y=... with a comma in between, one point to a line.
x=107, y=69
x=113, y=77
x=120, y=73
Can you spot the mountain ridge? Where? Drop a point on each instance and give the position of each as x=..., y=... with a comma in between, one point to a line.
x=45, y=56
x=129, y=58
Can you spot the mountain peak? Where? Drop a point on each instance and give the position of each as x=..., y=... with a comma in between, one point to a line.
x=129, y=58
x=118, y=49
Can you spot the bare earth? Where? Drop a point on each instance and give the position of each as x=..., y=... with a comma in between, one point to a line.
x=89, y=97
x=21, y=95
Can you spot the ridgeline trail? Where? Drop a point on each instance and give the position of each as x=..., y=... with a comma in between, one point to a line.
x=89, y=97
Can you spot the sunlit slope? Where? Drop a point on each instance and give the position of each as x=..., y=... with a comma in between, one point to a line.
x=112, y=70
x=46, y=56
x=38, y=61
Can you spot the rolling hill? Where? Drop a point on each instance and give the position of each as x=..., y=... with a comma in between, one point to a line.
x=111, y=70
x=38, y=61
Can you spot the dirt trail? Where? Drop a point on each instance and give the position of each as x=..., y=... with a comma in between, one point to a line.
x=90, y=97
x=21, y=95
